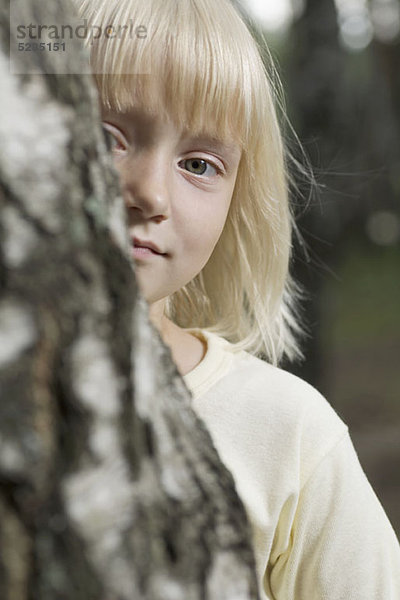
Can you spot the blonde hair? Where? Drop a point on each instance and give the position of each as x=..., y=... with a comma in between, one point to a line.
x=210, y=75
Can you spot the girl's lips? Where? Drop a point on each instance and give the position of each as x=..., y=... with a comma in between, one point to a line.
x=143, y=252
x=146, y=245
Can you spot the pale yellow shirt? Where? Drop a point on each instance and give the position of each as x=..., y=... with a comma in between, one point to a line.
x=319, y=532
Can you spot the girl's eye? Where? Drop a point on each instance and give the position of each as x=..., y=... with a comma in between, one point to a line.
x=113, y=141
x=198, y=166
x=116, y=144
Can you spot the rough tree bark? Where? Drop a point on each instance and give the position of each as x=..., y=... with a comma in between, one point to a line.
x=110, y=487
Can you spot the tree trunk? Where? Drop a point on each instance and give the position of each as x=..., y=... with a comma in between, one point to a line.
x=110, y=487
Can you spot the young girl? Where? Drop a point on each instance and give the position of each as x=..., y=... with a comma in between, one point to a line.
x=196, y=140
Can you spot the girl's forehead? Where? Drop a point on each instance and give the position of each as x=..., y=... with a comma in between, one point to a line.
x=146, y=120
x=146, y=103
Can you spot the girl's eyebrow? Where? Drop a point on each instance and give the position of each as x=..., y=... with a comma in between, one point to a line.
x=229, y=149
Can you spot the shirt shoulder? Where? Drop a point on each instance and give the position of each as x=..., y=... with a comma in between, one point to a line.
x=264, y=406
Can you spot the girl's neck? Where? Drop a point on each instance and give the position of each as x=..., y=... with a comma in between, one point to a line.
x=187, y=350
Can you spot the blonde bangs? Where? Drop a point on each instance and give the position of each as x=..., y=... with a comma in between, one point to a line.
x=191, y=65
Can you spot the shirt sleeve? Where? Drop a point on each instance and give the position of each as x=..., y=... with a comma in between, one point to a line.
x=342, y=546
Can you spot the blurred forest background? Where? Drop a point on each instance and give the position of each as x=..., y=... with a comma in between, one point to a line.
x=339, y=62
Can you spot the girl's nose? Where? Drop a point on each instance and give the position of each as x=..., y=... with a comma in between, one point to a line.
x=145, y=189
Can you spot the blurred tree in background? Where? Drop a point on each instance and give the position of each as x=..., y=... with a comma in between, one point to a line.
x=340, y=65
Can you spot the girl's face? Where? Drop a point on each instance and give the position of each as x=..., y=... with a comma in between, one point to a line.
x=177, y=189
